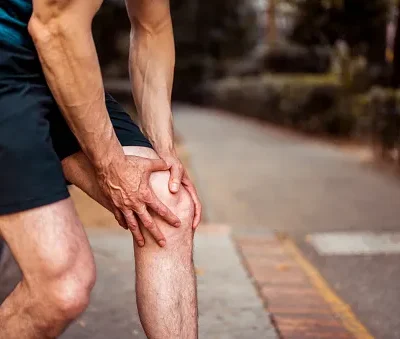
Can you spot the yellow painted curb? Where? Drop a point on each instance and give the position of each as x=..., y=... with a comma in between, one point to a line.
x=339, y=307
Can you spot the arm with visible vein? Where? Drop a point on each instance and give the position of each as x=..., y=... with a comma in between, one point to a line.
x=152, y=61
x=61, y=31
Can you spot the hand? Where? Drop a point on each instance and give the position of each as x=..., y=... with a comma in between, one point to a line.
x=125, y=182
x=180, y=177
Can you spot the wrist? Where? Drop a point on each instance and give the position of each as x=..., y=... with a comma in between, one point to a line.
x=164, y=151
x=160, y=134
x=163, y=145
x=109, y=153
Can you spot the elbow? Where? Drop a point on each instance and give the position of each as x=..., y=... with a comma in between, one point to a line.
x=59, y=19
x=41, y=31
x=57, y=29
x=155, y=26
x=44, y=31
x=149, y=17
x=45, y=20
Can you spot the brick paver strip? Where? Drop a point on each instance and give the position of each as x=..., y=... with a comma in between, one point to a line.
x=297, y=308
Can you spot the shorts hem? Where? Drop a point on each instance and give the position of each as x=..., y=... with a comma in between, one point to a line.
x=135, y=143
x=125, y=142
x=33, y=203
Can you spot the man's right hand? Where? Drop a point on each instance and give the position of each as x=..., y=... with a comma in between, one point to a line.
x=126, y=184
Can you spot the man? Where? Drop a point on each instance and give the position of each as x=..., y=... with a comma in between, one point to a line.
x=57, y=125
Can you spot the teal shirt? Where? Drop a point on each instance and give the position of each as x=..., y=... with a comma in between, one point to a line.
x=14, y=18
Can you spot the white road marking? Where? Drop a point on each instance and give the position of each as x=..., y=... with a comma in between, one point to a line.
x=355, y=243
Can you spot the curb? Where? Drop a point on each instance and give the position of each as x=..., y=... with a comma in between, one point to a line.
x=300, y=301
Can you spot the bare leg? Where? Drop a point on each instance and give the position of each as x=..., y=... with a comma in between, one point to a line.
x=52, y=250
x=165, y=279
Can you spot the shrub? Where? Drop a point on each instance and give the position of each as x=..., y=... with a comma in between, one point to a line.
x=309, y=103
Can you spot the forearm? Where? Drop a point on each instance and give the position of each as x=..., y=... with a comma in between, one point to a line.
x=152, y=61
x=68, y=56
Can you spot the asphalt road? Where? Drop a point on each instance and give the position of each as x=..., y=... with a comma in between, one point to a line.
x=257, y=178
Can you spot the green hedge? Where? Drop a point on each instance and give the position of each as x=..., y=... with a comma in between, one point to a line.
x=378, y=116
x=311, y=103
x=315, y=104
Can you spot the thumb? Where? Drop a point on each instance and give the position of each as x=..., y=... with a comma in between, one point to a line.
x=157, y=165
x=176, y=177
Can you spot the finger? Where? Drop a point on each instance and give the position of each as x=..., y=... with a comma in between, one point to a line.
x=175, y=178
x=134, y=227
x=151, y=226
x=163, y=211
x=197, y=203
x=155, y=165
x=120, y=218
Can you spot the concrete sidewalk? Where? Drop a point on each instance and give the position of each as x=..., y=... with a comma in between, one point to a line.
x=229, y=305
x=257, y=178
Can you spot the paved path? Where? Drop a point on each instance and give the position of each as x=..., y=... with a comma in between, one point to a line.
x=229, y=306
x=257, y=178
x=277, y=181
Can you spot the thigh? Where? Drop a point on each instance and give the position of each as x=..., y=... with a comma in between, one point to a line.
x=47, y=241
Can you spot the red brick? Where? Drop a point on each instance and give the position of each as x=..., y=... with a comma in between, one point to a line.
x=297, y=308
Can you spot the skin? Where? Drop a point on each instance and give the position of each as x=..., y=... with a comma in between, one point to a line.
x=57, y=279
x=152, y=59
x=165, y=278
x=61, y=31
x=148, y=192
x=52, y=250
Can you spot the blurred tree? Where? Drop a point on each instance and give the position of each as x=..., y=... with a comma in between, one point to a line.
x=271, y=19
x=396, y=49
x=358, y=22
x=209, y=38
x=112, y=37
x=228, y=28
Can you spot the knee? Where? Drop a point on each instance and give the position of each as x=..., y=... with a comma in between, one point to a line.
x=70, y=296
x=181, y=204
x=67, y=291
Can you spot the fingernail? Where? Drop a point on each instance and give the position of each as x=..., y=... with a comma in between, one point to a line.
x=175, y=187
x=178, y=224
x=161, y=243
x=141, y=243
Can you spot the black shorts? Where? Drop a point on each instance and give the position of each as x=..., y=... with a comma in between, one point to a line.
x=34, y=136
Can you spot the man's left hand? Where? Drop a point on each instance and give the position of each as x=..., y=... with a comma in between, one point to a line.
x=179, y=176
